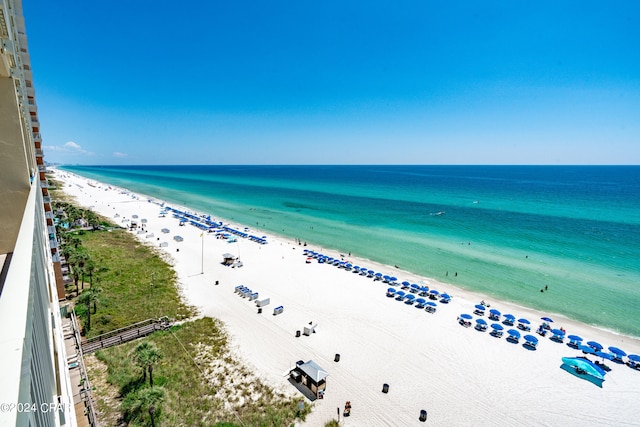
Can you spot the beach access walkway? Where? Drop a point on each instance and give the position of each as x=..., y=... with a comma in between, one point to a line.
x=126, y=334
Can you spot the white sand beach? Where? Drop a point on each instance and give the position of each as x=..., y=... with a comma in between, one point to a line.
x=459, y=375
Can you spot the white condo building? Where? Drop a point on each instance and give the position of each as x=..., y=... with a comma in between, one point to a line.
x=35, y=385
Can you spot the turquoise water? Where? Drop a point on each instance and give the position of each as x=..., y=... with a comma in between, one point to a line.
x=507, y=231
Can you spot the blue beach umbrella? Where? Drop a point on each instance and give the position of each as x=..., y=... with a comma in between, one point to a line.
x=391, y=290
x=510, y=316
x=595, y=345
x=495, y=312
x=392, y=279
x=466, y=316
x=420, y=300
x=356, y=267
x=604, y=355
x=433, y=304
x=405, y=283
x=434, y=292
x=481, y=321
x=514, y=333
x=586, y=349
x=617, y=351
x=497, y=327
x=480, y=307
x=634, y=357
x=531, y=339
x=371, y=272
x=557, y=332
x=446, y=296
x=523, y=321
x=378, y=274
x=547, y=319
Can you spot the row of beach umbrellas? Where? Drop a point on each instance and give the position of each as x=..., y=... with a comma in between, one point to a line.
x=364, y=271
x=498, y=329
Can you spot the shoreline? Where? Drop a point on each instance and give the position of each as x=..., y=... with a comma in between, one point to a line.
x=381, y=334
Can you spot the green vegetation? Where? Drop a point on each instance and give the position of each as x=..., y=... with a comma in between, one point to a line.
x=202, y=382
x=137, y=284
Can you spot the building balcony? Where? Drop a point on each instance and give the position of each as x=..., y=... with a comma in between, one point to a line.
x=37, y=137
x=42, y=168
x=46, y=199
x=44, y=184
x=39, y=152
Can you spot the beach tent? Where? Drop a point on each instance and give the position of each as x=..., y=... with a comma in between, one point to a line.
x=584, y=367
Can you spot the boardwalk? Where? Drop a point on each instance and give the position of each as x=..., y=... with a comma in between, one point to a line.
x=125, y=334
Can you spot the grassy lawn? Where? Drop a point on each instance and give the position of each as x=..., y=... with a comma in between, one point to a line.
x=137, y=284
x=204, y=383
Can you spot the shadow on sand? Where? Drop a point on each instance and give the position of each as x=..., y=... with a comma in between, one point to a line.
x=586, y=377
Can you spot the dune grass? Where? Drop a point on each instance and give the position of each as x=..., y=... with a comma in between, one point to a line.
x=205, y=385
x=136, y=282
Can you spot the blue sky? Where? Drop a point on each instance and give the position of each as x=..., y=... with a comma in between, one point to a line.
x=333, y=82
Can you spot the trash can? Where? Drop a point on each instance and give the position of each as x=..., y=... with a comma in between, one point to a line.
x=259, y=310
x=337, y=358
x=385, y=388
x=423, y=415
x=298, y=333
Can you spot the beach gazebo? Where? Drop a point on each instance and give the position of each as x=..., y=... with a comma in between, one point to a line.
x=228, y=259
x=312, y=376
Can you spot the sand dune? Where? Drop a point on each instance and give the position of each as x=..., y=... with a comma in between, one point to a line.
x=459, y=375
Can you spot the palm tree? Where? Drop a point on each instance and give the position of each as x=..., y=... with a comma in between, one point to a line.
x=77, y=260
x=88, y=297
x=146, y=355
x=90, y=268
x=145, y=400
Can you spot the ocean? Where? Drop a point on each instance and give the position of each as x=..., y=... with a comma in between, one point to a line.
x=504, y=231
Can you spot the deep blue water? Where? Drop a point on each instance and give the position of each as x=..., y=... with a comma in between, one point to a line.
x=506, y=230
